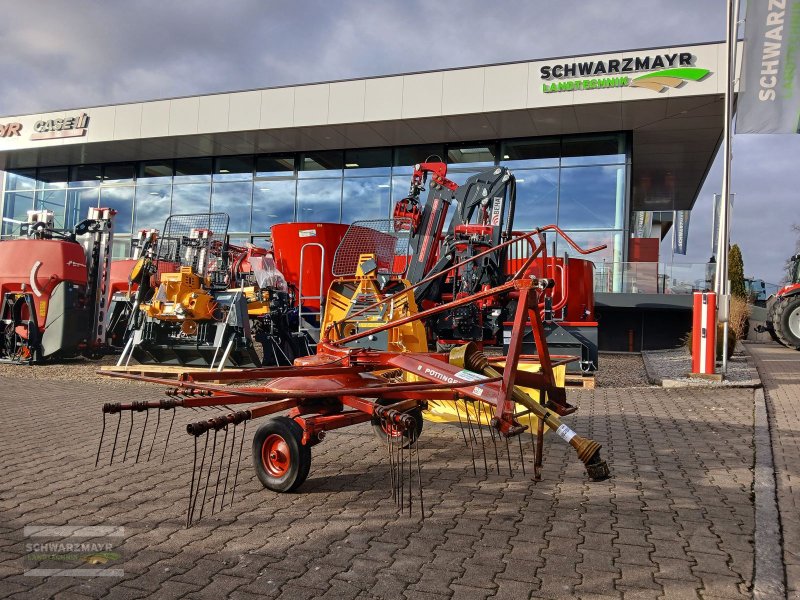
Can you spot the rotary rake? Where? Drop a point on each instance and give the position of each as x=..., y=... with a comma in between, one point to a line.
x=352, y=380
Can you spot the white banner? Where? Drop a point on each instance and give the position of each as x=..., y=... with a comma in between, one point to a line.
x=769, y=99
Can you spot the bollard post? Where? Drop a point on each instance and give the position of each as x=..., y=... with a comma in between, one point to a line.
x=704, y=333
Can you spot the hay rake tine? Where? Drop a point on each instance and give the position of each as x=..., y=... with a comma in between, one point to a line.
x=391, y=462
x=228, y=471
x=408, y=451
x=116, y=434
x=238, y=462
x=199, y=477
x=460, y=423
x=508, y=455
x=537, y=457
x=219, y=472
x=169, y=431
x=191, y=486
x=130, y=431
x=471, y=435
x=141, y=440
x=155, y=435
x=100, y=445
x=419, y=481
x=521, y=455
x=478, y=412
x=208, y=475
x=401, y=473
x=494, y=443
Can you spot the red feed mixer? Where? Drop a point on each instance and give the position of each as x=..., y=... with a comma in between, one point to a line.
x=363, y=372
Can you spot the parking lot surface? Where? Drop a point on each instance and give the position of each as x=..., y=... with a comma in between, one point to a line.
x=675, y=520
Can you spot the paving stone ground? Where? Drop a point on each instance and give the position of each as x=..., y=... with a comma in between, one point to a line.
x=779, y=369
x=675, y=521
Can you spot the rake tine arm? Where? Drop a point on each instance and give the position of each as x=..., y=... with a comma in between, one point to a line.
x=100, y=445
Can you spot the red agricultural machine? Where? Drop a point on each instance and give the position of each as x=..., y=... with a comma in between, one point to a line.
x=783, y=316
x=372, y=365
x=483, y=218
x=56, y=288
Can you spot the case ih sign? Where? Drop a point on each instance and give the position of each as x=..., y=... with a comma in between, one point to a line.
x=61, y=128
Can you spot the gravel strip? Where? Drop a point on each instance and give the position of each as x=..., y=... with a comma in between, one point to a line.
x=671, y=368
x=621, y=371
x=76, y=369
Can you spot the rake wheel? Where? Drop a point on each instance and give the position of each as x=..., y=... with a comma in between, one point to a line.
x=281, y=460
x=409, y=436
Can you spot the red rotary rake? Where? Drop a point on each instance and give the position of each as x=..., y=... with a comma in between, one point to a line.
x=348, y=382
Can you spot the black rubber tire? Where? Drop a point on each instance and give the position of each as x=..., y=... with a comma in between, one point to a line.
x=409, y=435
x=299, y=455
x=769, y=325
x=785, y=310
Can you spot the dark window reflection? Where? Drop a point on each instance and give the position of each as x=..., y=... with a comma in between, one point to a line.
x=471, y=155
x=519, y=154
x=234, y=199
x=191, y=198
x=592, y=198
x=158, y=171
x=275, y=166
x=365, y=198
x=152, y=206
x=593, y=150
x=367, y=162
x=537, y=199
x=321, y=164
x=52, y=177
x=121, y=200
x=319, y=200
x=273, y=202
x=192, y=169
x=85, y=175
x=20, y=179
x=233, y=168
x=121, y=173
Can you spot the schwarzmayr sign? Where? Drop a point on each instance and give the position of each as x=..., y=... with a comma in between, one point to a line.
x=668, y=70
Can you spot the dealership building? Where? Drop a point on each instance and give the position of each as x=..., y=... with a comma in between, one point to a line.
x=610, y=147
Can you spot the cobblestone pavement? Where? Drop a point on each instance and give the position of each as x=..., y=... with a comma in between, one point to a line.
x=779, y=369
x=675, y=521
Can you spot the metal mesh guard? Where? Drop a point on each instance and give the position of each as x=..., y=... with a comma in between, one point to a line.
x=387, y=239
x=178, y=227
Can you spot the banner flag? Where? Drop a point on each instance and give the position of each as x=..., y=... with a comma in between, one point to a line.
x=769, y=99
x=681, y=234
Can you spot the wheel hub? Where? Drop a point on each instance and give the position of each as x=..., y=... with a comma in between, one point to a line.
x=275, y=455
x=794, y=322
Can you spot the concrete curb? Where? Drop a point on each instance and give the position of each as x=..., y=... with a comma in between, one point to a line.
x=769, y=575
x=654, y=378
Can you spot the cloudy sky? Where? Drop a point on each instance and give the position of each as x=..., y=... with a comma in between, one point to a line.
x=78, y=53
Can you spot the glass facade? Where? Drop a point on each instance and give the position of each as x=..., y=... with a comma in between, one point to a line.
x=577, y=182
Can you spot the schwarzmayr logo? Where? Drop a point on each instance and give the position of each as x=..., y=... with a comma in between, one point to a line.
x=669, y=70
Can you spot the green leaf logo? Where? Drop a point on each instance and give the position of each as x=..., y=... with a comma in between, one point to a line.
x=669, y=78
